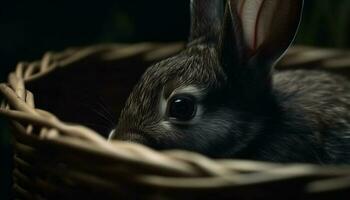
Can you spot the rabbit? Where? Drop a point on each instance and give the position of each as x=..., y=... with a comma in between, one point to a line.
x=221, y=96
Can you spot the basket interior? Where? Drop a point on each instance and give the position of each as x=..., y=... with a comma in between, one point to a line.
x=90, y=92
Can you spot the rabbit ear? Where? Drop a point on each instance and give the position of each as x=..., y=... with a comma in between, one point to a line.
x=262, y=29
x=206, y=17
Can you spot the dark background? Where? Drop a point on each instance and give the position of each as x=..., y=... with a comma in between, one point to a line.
x=29, y=28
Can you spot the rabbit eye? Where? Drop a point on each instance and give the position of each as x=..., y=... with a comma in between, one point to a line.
x=182, y=107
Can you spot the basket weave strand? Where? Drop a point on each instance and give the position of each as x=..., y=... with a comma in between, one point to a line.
x=58, y=160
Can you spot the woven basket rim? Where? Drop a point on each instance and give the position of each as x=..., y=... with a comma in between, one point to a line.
x=173, y=169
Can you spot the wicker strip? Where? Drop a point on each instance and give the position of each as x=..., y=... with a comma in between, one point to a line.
x=58, y=160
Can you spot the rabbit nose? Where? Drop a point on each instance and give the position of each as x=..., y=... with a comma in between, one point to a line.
x=111, y=135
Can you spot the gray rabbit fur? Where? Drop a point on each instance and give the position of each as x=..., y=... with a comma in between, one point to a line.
x=237, y=105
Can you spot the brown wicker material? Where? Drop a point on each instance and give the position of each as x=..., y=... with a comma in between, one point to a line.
x=58, y=160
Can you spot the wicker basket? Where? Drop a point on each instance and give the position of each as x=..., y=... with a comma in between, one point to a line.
x=58, y=160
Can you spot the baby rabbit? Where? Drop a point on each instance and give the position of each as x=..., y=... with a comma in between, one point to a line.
x=221, y=97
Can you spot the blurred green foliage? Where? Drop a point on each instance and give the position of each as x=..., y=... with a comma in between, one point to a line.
x=326, y=23
x=29, y=28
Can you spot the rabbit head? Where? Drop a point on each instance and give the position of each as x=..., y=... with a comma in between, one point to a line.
x=213, y=96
